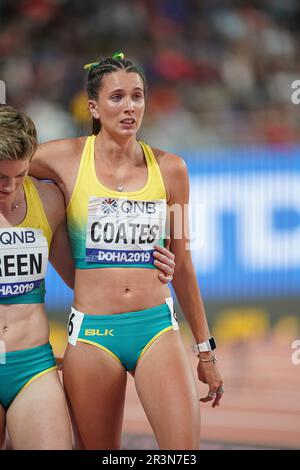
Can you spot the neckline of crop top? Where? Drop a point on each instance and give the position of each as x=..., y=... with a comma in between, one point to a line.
x=114, y=191
x=87, y=163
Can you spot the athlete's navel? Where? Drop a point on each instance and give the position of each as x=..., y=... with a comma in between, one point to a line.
x=127, y=290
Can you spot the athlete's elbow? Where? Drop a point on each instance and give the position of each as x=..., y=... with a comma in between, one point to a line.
x=183, y=269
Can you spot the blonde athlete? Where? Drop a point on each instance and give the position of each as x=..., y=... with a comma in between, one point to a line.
x=117, y=191
x=32, y=228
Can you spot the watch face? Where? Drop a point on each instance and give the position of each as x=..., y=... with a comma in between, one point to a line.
x=212, y=343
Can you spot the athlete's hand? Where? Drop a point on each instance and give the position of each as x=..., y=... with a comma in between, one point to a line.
x=209, y=374
x=165, y=262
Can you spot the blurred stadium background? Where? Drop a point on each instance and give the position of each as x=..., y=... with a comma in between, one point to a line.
x=220, y=76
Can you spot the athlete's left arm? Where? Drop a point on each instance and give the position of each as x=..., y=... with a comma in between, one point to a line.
x=184, y=280
x=60, y=255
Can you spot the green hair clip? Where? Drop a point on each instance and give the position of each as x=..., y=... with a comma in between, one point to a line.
x=91, y=65
x=118, y=55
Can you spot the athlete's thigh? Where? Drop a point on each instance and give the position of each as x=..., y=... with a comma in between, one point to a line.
x=168, y=392
x=95, y=384
x=38, y=417
x=2, y=427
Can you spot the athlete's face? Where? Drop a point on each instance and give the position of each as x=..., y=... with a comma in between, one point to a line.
x=121, y=104
x=12, y=174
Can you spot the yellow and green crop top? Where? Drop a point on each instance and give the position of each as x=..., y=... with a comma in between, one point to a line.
x=24, y=251
x=109, y=228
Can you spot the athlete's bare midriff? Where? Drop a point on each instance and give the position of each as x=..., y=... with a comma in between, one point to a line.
x=22, y=326
x=108, y=291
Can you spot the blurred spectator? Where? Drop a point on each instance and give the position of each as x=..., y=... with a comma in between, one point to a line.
x=51, y=120
x=218, y=73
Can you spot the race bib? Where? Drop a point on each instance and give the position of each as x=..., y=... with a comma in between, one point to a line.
x=122, y=231
x=23, y=260
x=74, y=325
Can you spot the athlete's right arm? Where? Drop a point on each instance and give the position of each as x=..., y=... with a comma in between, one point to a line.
x=60, y=255
x=57, y=160
x=43, y=164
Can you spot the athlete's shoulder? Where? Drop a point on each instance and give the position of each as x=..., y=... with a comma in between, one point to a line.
x=174, y=172
x=46, y=187
x=56, y=158
x=169, y=161
x=60, y=148
x=51, y=197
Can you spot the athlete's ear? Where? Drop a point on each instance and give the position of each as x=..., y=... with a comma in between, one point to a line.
x=92, y=104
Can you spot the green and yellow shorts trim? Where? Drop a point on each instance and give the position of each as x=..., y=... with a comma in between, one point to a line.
x=124, y=336
x=19, y=368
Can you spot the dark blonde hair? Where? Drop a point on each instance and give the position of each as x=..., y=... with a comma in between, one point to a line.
x=18, y=138
x=102, y=68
